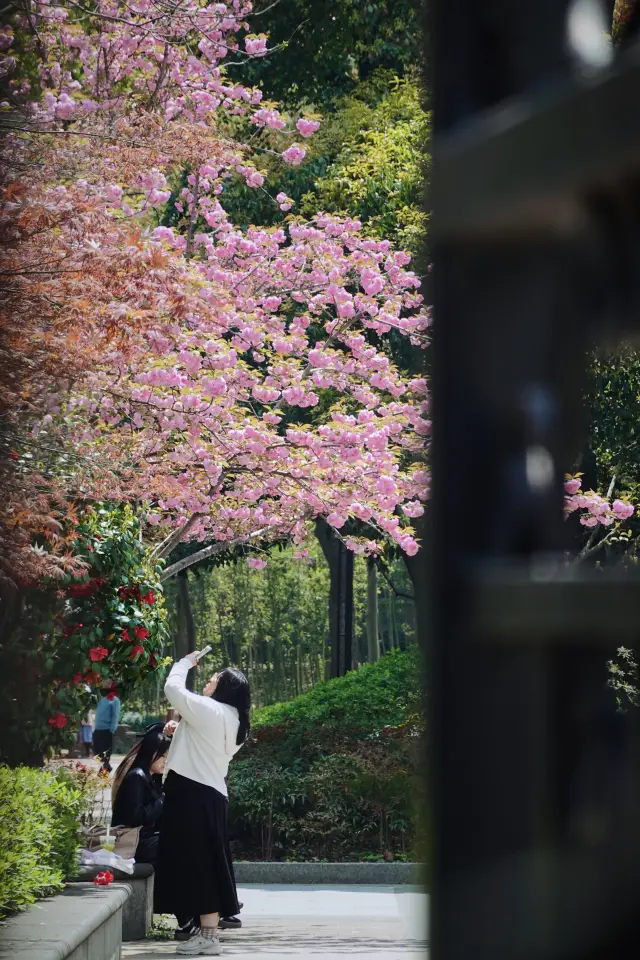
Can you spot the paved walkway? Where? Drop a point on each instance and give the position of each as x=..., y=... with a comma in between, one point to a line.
x=103, y=801
x=384, y=923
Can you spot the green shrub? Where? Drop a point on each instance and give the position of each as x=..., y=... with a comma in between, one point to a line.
x=39, y=834
x=139, y=721
x=365, y=700
x=335, y=771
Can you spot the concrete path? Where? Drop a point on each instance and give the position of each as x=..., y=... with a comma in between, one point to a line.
x=384, y=923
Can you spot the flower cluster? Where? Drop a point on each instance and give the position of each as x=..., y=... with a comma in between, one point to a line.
x=58, y=720
x=596, y=508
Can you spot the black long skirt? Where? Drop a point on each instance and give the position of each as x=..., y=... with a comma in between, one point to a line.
x=194, y=871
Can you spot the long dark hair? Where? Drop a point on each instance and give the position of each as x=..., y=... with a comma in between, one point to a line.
x=151, y=746
x=233, y=688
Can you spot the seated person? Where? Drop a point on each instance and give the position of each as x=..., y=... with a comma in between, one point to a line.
x=137, y=791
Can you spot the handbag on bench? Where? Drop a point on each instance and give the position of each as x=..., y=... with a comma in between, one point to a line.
x=126, y=839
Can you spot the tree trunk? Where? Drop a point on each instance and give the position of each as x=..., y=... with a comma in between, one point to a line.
x=340, y=561
x=298, y=666
x=372, y=611
x=417, y=568
x=186, y=636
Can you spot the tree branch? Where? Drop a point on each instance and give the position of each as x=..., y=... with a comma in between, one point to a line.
x=211, y=551
x=398, y=593
x=589, y=547
x=167, y=545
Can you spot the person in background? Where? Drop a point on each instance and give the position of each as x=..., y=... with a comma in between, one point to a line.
x=194, y=871
x=85, y=734
x=106, y=724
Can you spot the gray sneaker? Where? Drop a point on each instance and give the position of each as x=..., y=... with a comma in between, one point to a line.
x=199, y=946
x=186, y=931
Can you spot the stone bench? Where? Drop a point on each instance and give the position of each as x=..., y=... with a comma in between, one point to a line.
x=82, y=923
x=137, y=916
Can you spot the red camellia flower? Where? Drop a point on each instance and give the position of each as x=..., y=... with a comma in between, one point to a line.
x=13, y=455
x=98, y=653
x=103, y=879
x=141, y=633
x=92, y=677
x=149, y=598
x=81, y=589
x=125, y=636
x=58, y=720
x=136, y=651
x=77, y=678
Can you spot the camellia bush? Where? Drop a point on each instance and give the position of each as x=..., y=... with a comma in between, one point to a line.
x=78, y=634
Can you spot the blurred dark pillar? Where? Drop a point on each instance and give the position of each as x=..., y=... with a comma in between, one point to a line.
x=535, y=235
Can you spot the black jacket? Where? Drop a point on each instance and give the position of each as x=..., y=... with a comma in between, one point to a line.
x=138, y=803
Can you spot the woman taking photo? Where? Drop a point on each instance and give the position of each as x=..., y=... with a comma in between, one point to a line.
x=194, y=872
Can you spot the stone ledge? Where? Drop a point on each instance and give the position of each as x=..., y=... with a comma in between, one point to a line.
x=59, y=927
x=140, y=872
x=137, y=913
x=385, y=874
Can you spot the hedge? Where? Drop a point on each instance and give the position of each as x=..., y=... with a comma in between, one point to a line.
x=139, y=721
x=377, y=695
x=335, y=774
x=40, y=814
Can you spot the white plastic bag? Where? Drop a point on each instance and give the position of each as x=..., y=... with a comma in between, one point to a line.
x=106, y=858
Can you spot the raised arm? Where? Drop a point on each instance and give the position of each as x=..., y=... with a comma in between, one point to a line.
x=196, y=710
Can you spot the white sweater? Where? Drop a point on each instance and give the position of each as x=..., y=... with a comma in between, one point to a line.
x=205, y=739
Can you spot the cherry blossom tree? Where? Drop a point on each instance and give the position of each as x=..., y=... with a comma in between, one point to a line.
x=199, y=351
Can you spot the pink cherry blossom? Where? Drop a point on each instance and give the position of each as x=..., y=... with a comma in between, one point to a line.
x=256, y=47
x=572, y=486
x=622, y=510
x=294, y=154
x=307, y=128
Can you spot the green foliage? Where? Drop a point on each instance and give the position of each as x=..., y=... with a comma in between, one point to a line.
x=613, y=452
x=77, y=634
x=39, y=834
x=378, y=175
x=367, y=160
x=376, y=695
x=334, y=772
x=322, y=49
x=623, y=678
x=614, y=412
x=139, y=721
